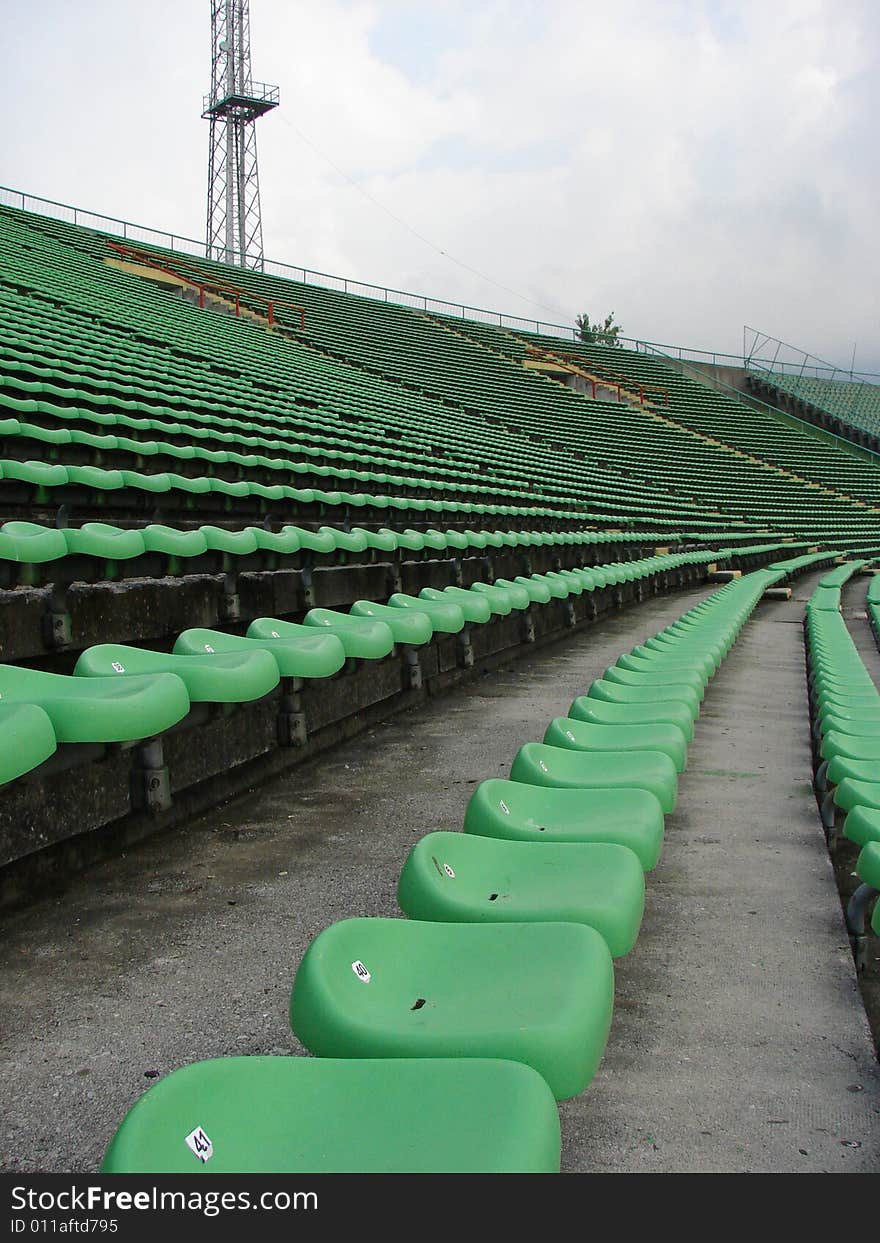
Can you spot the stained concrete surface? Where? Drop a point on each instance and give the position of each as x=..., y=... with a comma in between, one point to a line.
x=739, y=1039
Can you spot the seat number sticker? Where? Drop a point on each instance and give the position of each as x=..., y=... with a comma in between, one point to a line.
x=118, y=666
x=449, y=872
x=208, y=647
x=505, y=808
x=361, y=971
x=198, y=1142
x=275, y=634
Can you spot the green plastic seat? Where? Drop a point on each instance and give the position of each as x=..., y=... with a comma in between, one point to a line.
x=852, y=793
x=407, y=626
x=862, y=825
x=27, y=739
x=461, y=877
x=107, y=709
x=539, y=593
x=672, y=671
x=474, y=608
x=303, y=654
x=445, y=616
x=628, y=677
x=99, y=539
x=542, y=765
x=382, y=541
x=669, y=655
x=617, y=693
x=284, y=543
x=304, y=1115
x=363, y=638
x=576, y=735
x=516, y=811
x=30, y=543
x=854, y=746
x=215, y=677
x=173, y=543
x=519, y=597
x=539, y=993
x=661, y=711
x=500, y=600
x=235, y=543
x=868, y=866
x=558, y=587
x=313, y=541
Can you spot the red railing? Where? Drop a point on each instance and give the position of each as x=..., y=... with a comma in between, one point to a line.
x=615, y=379
x=194, y=276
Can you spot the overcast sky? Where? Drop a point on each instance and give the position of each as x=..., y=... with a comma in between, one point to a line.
x=692, y=166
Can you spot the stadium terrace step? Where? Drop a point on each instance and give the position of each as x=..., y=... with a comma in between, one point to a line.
x=520, y=812
x=460, y=877
x=301, y=654
x=215, y=677
x=100, y=709
x=577, y=735
x=663, y=711
x=363, y=638
x=303, y=1115
x=539, y=993
x=28, y=738
x=542, y=765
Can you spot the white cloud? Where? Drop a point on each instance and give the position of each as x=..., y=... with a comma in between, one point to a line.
x=692, y=166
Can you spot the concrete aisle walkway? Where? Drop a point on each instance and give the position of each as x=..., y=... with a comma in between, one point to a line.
x=739, y=1041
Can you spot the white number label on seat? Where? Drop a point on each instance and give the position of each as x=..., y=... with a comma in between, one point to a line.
x=448, y=870
x=505, y=808
x=208, y=647
x=198, y=1142
x=120, y=668
x=275, y=634
x=361, y=971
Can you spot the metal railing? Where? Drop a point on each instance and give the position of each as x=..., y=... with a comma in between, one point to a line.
x=202, y=282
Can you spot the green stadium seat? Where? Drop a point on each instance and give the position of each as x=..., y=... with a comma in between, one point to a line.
x=301, y=654
x=445, y=616
x=28, y=739
x=575, y=735
x=215, y=677
x=302, y=1115
x=101, y=709
x=519, y=812
x=474, y=608
x=363, y=638
x=539, y=993
x=460, y=877
x=542, y=765
x=615, y=692
x=663, y=711
x=407, y=625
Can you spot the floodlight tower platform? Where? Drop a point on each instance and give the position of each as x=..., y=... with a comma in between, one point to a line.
x=234, y=226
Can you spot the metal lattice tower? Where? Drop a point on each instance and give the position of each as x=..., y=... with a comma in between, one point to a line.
x=235, y=230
